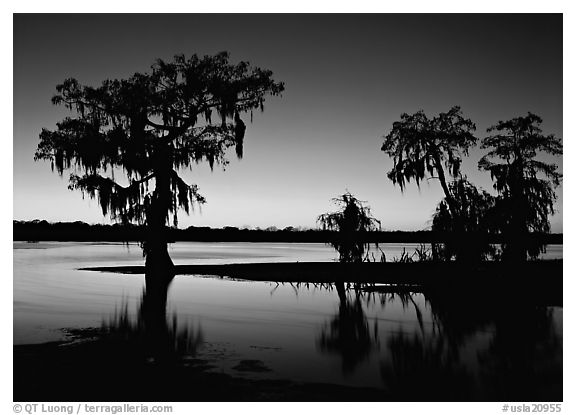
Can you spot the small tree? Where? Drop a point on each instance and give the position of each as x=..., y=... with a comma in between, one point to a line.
x=350, y=223
x=147, y=128
x=526, y=185
x=420, y=146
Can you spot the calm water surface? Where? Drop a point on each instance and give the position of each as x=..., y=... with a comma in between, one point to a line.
x=296, y=332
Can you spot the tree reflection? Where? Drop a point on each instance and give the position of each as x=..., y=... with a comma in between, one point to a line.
x=483, y=346
x=524, y=356
x=423, y=368
x=348, y=334
x=153, y=336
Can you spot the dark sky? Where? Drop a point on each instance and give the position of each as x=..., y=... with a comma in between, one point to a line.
x=348, y=78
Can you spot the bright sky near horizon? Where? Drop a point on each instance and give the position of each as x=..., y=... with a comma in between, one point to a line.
x=348, y=78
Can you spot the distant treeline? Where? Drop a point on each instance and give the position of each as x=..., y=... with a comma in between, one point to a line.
x=41, y=230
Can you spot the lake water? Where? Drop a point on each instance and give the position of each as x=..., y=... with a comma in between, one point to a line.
x=302, y=333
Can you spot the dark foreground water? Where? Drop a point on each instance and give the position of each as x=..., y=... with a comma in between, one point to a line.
x=395, y=341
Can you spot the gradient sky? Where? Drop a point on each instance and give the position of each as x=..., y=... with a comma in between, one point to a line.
x=348, y=78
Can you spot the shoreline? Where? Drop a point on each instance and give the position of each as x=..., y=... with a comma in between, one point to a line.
x=535, y=279
x=331, y=271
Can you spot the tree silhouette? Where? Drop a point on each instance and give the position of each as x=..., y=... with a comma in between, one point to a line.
x=349, y=223
x=420, y=146
x=469, y=232
x=526, y=185
x=147, y=128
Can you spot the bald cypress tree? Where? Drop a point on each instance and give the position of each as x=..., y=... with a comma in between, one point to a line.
x=525, y=183
x=423, y=147
x=128, y=140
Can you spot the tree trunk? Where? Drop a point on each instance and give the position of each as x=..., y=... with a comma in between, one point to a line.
x=518, y=235
x=449, y=198
x=159, y=266
x=518, y=232
x=455, y=212
x=158, y=261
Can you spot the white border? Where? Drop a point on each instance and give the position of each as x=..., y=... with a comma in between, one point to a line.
x=357, y=6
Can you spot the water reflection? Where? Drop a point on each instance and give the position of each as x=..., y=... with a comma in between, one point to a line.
x=425, y=365
x=153, y=336
x=348, y=334
x=423, y=368
x=524, y=356
x=481, y=346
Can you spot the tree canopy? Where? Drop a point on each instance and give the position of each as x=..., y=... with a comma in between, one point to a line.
x=525, y=184
x=150, y=126
x=420, y=147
